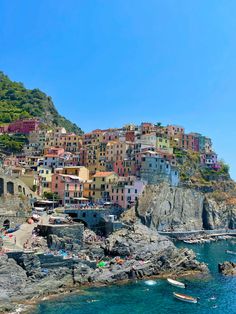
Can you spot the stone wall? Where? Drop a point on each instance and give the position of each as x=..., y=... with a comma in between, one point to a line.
x=13, y=220
x=12, y=204
x=74, y=231
x=14, y=186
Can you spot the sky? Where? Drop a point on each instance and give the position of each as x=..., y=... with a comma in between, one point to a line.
x=106, y=63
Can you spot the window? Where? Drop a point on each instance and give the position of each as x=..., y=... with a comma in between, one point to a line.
x=135, y=191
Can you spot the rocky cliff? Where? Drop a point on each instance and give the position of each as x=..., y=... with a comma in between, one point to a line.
x=181, y=208
x=133, y=253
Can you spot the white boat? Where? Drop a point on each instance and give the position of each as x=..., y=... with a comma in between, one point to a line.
x=230, y=252
x=185, y=298
x=176, y=283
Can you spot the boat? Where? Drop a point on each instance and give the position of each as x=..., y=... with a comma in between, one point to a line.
x=176, y=283
x=185, y=298
x=188, y=241
x=230, y=252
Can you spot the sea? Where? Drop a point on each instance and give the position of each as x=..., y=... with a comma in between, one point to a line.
x=217, y=293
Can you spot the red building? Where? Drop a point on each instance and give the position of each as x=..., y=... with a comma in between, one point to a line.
x=24, y=126
x=130, y=136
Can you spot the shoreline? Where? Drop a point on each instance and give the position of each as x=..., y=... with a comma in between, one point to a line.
x=27, y=306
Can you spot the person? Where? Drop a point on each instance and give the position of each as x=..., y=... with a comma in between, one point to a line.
x=15, y=240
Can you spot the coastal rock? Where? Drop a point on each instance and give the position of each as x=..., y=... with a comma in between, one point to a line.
x=29, y=262
x=147, y=253
x=163, y=207
x=13, y=278
x=227, y=268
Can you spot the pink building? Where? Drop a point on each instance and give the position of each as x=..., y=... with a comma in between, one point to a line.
x=126, y=192
x=58, y=151
x=118, y=167
x=173, y=130
x=210, y=160
x=67, y=187
x=24, y=126
x=189, y=142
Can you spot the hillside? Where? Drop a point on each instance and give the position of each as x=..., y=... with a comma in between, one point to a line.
x=193, y=174
x=18, y=102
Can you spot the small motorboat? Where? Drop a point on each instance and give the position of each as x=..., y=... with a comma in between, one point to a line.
x=185, y=298
x=176, y=283
x=230, y=252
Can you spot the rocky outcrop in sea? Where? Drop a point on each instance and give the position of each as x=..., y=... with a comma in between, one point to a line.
x=227, y=268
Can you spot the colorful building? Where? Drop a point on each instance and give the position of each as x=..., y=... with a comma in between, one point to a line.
x=126, y=191
x=155, y=169
x=24, y=126
x=210, y=160
x=99, y=189
x=67, y=187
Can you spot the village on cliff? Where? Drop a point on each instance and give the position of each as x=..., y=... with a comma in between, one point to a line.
x=112, y=165
x=65, y=196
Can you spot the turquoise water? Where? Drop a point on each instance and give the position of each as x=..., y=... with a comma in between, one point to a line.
x=217, y=293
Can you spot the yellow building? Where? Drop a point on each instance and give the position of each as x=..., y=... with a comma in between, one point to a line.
x=70, y=142
x=79, y=171
x=115, y=151
x=53, y=137
x=99, y=188
x=44, y=180
x=162, y=143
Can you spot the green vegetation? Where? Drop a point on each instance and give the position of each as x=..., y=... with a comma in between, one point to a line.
x=50, y=196
x=191, y=171
x=12, y=143
x=17, y=102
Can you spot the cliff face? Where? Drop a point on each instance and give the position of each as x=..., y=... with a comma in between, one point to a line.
x=165, y=207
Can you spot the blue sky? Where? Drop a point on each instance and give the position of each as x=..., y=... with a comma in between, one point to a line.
x=109, y=62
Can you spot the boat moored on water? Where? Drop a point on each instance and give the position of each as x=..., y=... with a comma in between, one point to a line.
x=230, y=252
x=176, y=283
x=185, y=298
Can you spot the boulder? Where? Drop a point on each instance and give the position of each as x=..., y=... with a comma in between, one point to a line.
x=227, y=268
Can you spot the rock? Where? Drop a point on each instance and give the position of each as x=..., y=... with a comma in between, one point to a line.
x=165, y=208
x=13, y=278
x=227, y=268
x=149, y=253
x=30, y=262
